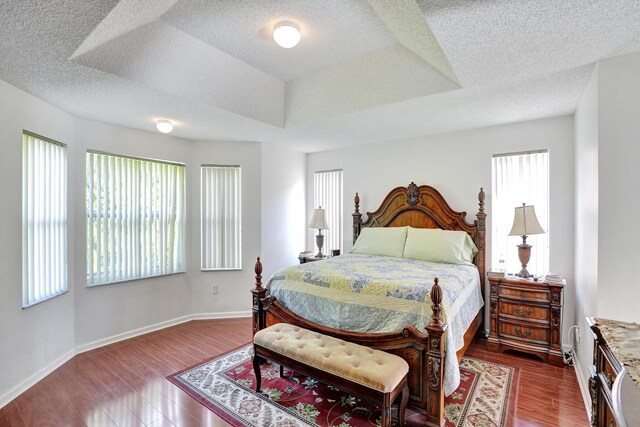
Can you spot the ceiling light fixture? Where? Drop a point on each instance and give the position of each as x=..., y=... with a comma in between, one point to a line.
x=164, y=126
x=287, y=34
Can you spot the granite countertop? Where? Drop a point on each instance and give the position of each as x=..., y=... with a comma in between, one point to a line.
x=623, y=338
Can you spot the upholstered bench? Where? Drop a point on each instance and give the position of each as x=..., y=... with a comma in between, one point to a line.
x=368, y=373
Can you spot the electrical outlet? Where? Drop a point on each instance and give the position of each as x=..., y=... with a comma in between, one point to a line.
x=578, y=335
x=214, y=289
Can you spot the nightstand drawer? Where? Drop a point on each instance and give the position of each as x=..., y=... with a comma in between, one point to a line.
x=525, y=332
x=525, y=294
x=524, y=311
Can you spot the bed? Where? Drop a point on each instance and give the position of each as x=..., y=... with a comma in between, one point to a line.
x=431, y=337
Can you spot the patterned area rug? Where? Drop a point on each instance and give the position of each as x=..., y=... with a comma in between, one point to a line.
x=226, y=386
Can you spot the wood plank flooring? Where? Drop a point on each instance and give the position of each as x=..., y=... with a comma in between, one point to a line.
x=124, y=384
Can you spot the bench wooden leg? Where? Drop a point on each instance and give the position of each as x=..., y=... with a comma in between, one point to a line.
x=386, y=410
x=256, y=370
x=404, y=398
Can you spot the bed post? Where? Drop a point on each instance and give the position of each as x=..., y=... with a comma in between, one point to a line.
x=480, y=261
x=357, y=218
x=258, y=295
x=435, y=361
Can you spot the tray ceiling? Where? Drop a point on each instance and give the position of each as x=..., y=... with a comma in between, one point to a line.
x=364, y=71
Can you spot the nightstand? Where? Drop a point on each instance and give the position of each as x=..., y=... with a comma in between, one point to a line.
x=309, y=258
x=526, y=315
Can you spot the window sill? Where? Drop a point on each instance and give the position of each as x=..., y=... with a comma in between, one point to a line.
x=45, y=300
x=97, y=285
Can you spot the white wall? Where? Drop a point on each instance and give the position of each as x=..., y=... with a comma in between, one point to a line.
x=606, y=199
x=586, y=221
x=284, y=218
x=458, y=164
x=104, y=311
x=34, y=337
x=619, y=196
x=273, y=220
x=233, y=296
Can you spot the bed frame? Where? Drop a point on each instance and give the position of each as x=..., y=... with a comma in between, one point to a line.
x=421, y=207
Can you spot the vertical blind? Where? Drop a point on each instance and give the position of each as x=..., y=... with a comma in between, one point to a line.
x=135, y=218
x=327, y=193
x=44, y=219
x=520, y=178
x=221, y=216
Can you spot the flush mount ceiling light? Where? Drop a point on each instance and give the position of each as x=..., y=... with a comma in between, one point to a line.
x=286, y=34
x=164, y=126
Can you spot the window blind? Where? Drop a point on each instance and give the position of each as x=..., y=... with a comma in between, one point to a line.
x=518, y=178
x=327, y=193
x=135, y=218
x=44, y=219
x=221, y=216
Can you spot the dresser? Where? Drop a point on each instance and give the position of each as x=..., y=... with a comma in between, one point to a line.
x=616, y=344
x=526, y=315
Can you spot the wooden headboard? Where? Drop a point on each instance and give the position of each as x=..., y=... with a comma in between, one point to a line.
x=424, y=207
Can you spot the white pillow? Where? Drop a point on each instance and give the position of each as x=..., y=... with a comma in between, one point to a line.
x=388, y=241
x=451, y=247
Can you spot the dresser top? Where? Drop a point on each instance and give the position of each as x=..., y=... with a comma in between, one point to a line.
x=623, y=339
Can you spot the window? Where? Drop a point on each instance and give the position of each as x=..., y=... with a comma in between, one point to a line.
x=44, y=219
x=327, y=193
x=135, y=218
x=518, y=178
x=221, y=216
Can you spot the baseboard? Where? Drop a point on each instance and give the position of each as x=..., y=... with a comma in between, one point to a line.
x=223, y=315
x=33, y=379
x=584, y=385
x=130, y=334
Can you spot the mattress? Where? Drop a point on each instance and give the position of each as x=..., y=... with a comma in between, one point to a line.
x=372, y=293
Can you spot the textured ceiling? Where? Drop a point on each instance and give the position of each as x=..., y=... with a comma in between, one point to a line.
x=489, y=41
x=333, y=31
x=363, y=73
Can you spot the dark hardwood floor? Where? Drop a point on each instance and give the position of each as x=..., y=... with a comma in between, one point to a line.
x=124, y=384
x=547, y=395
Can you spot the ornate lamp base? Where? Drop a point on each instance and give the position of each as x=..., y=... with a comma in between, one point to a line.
x=319, y=242
x=524, y=253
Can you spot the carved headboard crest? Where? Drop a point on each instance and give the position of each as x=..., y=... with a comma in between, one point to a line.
x=412, y=194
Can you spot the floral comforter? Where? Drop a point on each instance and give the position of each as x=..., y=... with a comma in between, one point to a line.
x=371, y=293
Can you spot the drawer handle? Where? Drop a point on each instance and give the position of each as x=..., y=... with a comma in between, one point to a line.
x=518, y=332
x=523, y=294
x=524, y=313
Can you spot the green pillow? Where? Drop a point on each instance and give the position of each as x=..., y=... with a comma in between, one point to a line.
x=451, y=247
x=388, y=241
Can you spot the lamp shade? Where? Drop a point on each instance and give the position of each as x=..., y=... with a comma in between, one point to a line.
x=525, y=222
x=318, y=220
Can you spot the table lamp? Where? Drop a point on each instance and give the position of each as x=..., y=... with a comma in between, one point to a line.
x=525, y=224
x=319, y=221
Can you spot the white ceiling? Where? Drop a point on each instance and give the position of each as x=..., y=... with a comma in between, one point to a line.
x=242, y=28
x=365, y=71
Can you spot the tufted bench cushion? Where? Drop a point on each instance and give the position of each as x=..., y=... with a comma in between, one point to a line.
x=362, y=365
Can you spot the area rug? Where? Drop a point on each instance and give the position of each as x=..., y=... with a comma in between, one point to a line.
x=226, y=385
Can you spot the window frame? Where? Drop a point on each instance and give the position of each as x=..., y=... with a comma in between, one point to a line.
x=180, y=213
x=331, y=213
x=238, y=266
x=27, y=255
x=511, y=242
